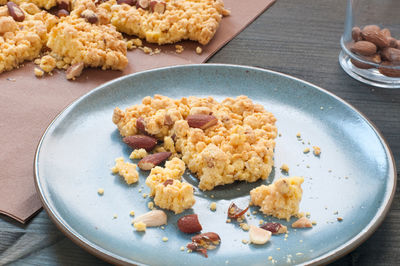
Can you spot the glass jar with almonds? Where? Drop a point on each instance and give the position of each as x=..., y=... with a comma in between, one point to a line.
x=371, y=42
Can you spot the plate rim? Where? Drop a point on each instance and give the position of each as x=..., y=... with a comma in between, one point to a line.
x=328, y=257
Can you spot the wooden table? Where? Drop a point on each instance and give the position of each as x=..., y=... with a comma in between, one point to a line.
x=300, y=38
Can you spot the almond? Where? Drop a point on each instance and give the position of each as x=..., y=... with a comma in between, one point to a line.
x=157, y=7
x=141, y=125
x=64, y=4
x=143, y=4
x=189, y=224
x=152, y=160
x=15, y=11
x=303, y=222
x=152, y=218
x=363, y=48
x=207, y=240
x=140, y=142
x=201, y=121
x=259, y=236
x=128, y=2
x=356, y=34
x=376, y=37
x=274, y=228
x=376, y=58
x=360, y=64
x=390, y=72
x=62, y=13
x=74, y=70
x=89, y=16
x=391, y=54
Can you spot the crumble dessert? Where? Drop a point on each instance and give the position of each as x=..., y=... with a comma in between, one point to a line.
x=236, y=141
x=195, y=20
x=280, y=199
x=126, y=170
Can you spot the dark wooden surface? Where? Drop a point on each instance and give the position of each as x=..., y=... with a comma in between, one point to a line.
x=300, y=38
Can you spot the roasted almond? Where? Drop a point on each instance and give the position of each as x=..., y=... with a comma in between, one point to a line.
x=89, y=16
x=274, y=228
x=75, y=70
x=388, y=71
x=356, y=34
x=152, y=160
x=372, y=27
x=391, y=54
x=141, y=125
x=363, y=48
x=376, y=37
x=189, y=224
x=62, y=13
x=303, y=222
x=157, y=6
x=201, y=121
x=143, y=4
x=140, y=142
x=64, y=4
x=15, y=11
x=152, y=218
x=207, y=240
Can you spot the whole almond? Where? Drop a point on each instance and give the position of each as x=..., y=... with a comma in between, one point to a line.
x=390, y=72
x=140, y=142
x=141, y=125
x=152, y=160
x=157, y=7
x=376, y=37
x=391, y=54
x=62, y=13
x=386, y=32
x=152, y=218
x=363, y=48
x=15, y=11
x=356, y=34
x=372, y=27
x=143, y=4
x=189, y=224
x=128, y=2
x=74, y=70
x=201, y=121
x=89, y=16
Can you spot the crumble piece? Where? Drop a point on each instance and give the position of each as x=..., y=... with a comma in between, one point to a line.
x=213, y=206
x=317, y=150
x=76, y=41
x=195, y=20
x=280, y=199
x=285, y=168
x=140, y=226
x=47, y=63
x=132, y=213
x=306, y=150
x=126, y=170
x=179, y=49
x=239, y=146
x=100, y=191
x=38, y=72
x=167, y=189
x=138, y=154
x=165, y=239
x=199, y=50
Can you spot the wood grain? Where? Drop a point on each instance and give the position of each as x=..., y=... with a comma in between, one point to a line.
x=300, y=38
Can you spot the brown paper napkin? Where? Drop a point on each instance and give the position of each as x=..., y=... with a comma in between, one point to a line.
x=28, y=104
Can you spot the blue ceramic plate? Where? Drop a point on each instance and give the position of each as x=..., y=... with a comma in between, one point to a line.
x=354, y=178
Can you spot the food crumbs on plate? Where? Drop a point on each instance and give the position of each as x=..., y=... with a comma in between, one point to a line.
x=278, y=248
x=140, y=190
x=340, y=219
x=179, y=49
x=254, y=212
x=244, y=241
x=285, y=168
x=270, y=258
x=314, y=222
x=299, y=254
x=144, y=195
x=301, y=240
x=150, y=205
x=322, y=108
x=261, y=221
x=280, y=135
x=244, y=226
x=38, y=72
x=199, y=50
x=115, y=216
x=140, y=226
x=182, y=248
x=308, y=214
x=306, y=150
x=165, y=239
x=298, y=135
x=212, y=196
x=317, y=150
x=100, y=191
x=213, y=206
x=162, y=227
x=132, y=213
x=228, y=220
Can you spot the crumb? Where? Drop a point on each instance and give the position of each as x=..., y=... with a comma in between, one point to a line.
x=278, y=248
x=261, y=221
x=285, y=168
x=138, y=154
x=322, y=108
x=146, y=50
x=150, y=205
x=140, y=226
x=182, y=248
x=165, y=239
x=301, y=240
x=140, y=190
x=244, y=226
x=213, y=206
x=100, y=191
x=115, y=216
x=137, y=42
x=306, y=150
x=340, y=219
x=144, y=195
x=38, y=72
x=228, y=220
x=298, y=135
x=280, y=135
x=254, y=212
x=11, y=79
x=269, y=257
x=314, y=222
x=317, y=150
x=307, y=166
x=212, y=196
x=199, y=50
x=162, y=227
x=179, y=49
x=132, y=213
x=299, y=254
x=244, y=241
x=336, y=213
